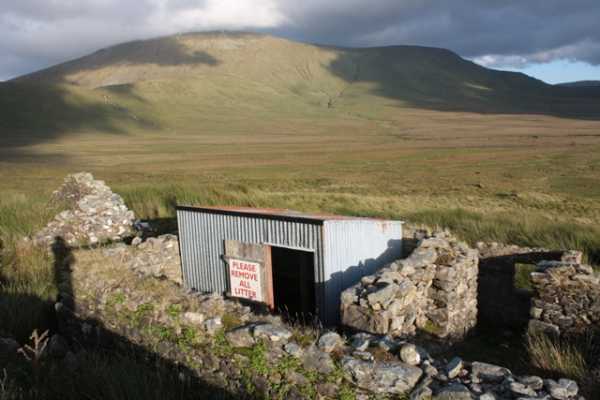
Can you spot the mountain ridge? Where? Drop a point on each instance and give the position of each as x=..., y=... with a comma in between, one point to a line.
x=179, y=81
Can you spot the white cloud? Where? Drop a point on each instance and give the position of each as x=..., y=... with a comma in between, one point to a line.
x=584, y=50
x=33, y=38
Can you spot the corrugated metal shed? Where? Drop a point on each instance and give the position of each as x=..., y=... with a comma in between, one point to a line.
x=345, y=248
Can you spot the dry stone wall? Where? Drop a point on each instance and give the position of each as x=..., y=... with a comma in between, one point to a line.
x=433, y=290
x=94, y=214
x=567, y=297
x=500, y=303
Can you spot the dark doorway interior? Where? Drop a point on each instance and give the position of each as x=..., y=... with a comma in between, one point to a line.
x=293, y=282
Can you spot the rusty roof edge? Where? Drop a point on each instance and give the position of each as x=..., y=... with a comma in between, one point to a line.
x=303, y=219
x=279, y=214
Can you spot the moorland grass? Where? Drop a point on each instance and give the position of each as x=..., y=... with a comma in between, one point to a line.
x=516, y=227
x=571, y=357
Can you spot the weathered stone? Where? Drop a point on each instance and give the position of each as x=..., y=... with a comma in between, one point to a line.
x=240, y=337
x=381, y=378
x=297, y=378
x=349, y=296
x=488, y=372
x=519, y=389
x=328, y=389
x=409, y=354
x=421, y=392
x=429, y=369
x=536, y=312
x=561, y=390
x=420, y=257
x=329, y=342
x=314, y=359
x=454, y=367
x=436, y=243
x=274, y=333
x=387, y=344
x=193, y=318
x=534, y=382
x=537, y=327
x=384, y=294
x=357, y=317
x=455, y=391
x=363, y=355
x=213, y=325
x=293, y=349
x=361, y=341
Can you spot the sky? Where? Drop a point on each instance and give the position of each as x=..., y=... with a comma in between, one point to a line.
x=552, y=40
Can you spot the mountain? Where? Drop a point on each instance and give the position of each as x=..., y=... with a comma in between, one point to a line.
x=581, y=84
x=180, y=81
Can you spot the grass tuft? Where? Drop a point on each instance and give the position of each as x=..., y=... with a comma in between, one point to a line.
x=573, y=357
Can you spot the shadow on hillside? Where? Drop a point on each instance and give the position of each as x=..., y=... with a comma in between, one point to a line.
x=439, y=80
x=96, y=362
x=38, y=113
x=166, y=51
x=38, y=107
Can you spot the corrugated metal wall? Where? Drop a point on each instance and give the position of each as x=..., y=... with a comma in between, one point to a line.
x=202, y=236
x=344, y=250
x=353, y=249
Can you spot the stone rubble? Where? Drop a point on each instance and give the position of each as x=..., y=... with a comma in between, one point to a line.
x=374, y=364
x=434, y=290
x=156, y=256
x=94, y=214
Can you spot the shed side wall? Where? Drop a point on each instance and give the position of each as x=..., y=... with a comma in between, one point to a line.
x=353, y=249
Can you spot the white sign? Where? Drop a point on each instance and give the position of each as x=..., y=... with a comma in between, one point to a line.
x=245, y=279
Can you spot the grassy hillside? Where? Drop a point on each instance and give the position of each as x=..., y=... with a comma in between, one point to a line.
x=246, y=72
x=402, y=131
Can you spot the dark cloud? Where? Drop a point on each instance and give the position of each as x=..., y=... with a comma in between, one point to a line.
x=496, y=33
x=530, y=31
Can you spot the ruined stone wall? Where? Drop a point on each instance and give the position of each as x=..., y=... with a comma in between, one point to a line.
x=433, y=290
x=567, y=297
x=500, y=303
x=94, y=214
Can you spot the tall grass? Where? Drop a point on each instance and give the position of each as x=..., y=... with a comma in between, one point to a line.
x=27, y=287
x=27, y=290
x=525, y=229
x=516, y=228
x=572, y=357
x=555, y=357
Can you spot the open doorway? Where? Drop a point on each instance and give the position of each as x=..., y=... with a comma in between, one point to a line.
x=293, y=282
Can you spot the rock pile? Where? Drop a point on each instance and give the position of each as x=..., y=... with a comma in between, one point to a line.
x=427, y=378
x=433, y=290
x=94, y=214
x=156, y=256
x=567, y=296
x=495, y=249
x=227, y=345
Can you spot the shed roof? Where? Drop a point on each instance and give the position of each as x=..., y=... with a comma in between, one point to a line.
x=276, y=213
